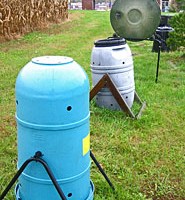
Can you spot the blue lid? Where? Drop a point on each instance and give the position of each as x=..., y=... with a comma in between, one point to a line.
x=52, y=92
x=52, y=60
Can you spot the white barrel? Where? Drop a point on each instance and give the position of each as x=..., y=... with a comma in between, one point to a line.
x=113, y=56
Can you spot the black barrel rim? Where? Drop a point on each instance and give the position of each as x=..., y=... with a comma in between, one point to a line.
x=109, y=42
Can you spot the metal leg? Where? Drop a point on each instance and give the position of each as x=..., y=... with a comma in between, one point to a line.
x=143, y=105
x=36, y=158
x=101, y=170
x=158, y=61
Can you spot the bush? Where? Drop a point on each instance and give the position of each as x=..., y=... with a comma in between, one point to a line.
x=177, y=37
x=180, y=4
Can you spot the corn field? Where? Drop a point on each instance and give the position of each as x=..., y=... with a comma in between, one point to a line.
x=21, y=16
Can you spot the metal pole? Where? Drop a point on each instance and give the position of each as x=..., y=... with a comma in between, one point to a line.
x=158, y=61
x=55, y=183
x=101, y=170
x=15, y=178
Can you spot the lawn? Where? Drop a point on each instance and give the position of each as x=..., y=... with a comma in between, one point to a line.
x=145, y=158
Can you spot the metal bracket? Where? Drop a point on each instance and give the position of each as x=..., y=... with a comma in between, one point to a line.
x=108, y=82
x=36, y=158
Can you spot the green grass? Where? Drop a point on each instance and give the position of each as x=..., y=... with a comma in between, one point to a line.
x=145, y=158
x=169, y=13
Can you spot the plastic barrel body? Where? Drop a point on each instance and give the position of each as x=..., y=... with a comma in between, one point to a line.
x=52, y=112
x=113, y=56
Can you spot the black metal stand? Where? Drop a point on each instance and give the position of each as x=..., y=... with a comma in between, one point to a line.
x=158, y=46
x=101, y=170
x=158, y=60
x=36, y=158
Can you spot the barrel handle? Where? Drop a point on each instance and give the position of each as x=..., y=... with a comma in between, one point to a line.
x=118, y=48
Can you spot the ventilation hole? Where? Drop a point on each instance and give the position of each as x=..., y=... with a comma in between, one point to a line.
x=70, y=195
x=126, y=97
x=123, y=62
x=17, y=102
x=93, y=63
x=69, y=108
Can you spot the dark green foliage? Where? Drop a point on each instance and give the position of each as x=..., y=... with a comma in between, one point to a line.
x=181, y=4
x=177, y=37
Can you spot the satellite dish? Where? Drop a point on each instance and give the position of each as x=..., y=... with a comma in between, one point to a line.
x=135, y=19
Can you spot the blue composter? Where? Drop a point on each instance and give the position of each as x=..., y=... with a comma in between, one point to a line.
x=52, y=112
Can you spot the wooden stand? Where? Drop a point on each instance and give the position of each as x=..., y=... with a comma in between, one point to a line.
x=106, y=81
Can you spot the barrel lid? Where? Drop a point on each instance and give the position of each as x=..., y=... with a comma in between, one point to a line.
x=109, y=42
x=135, y=19
x=52, y=60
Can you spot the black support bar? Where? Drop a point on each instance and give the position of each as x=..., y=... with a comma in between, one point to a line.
x=36, y=158
x=101, y=170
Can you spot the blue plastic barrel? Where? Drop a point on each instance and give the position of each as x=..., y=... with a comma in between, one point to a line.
x=52, y=112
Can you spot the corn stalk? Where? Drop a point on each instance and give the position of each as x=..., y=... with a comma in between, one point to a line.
x=18, y=17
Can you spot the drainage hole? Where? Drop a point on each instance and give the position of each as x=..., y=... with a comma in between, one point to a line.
x=111, y=104
x=17, y=102
x=126, y=97
x=69, y=108
x=123, y=62
x=70, y=195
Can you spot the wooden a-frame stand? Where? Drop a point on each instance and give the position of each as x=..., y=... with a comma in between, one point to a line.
x=106, y=81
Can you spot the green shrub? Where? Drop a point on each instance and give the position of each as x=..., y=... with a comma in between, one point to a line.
x=177, y=37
